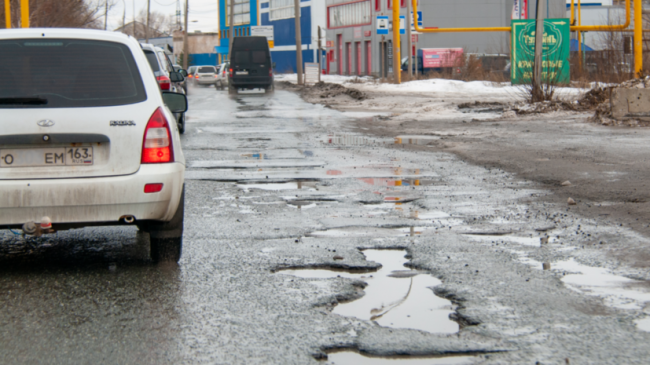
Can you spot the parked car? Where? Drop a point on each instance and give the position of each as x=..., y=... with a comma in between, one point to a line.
x=250, y=65
x=179, y=69
x=88, y=139
x=162, y=68
x=205, y=75
x=222, y=76
x=191, y=71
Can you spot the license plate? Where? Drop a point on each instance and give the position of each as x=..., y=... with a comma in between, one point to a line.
x=241, y=73
x=34, y=157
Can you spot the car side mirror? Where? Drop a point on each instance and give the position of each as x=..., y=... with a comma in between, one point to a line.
x=183, y=72
x=176, y=76
x=176, y=102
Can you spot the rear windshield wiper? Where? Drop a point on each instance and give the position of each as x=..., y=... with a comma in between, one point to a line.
x=23, y=101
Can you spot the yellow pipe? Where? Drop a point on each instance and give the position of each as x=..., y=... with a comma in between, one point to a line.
x=579, y=36
x=583, y=28
x=572, y=21
x=596, y=28
x=397, y=58
x=638, y=38
x=24, y=13
x=7, y=14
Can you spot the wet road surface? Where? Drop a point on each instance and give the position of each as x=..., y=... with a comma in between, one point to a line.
x=276, y=187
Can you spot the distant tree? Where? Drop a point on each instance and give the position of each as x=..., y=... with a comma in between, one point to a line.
x=60, y=13
x=158, y=22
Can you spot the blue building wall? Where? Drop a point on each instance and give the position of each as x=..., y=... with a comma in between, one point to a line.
x=225, y=41
x=284, y=34
x=203, y=59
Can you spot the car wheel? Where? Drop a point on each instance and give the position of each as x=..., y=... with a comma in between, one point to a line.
x=232, y=90
x=218, y=86
x=269, y=90
x=181, y=124
x=167, y=237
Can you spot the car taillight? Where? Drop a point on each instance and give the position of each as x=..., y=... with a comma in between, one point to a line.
x=157, y=144
x=164, y=82
x=271, y=73
x=231, y=72
x=216, y=76
x=224, y=72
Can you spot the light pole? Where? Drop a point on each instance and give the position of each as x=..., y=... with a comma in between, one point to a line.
x=296, y=4
x=186, y=57
x=146, y=31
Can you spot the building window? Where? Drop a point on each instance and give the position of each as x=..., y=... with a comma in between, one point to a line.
x=377, y=5
x=351, y=14
x=242, y=13
x=282, y=9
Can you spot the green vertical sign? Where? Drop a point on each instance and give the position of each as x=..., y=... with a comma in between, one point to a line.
x=555, y=53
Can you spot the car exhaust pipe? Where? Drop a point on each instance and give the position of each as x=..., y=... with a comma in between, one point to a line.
x=128, y=219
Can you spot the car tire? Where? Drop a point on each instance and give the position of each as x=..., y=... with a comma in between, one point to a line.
x=166, y=238
x=232, y=90
x=181, y=124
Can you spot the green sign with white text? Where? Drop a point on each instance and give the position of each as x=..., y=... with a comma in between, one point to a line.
x=555, y=52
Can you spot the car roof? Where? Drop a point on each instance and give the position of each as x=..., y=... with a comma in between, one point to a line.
x=90, y=34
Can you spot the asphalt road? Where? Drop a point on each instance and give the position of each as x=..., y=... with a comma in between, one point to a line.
x=275, y=183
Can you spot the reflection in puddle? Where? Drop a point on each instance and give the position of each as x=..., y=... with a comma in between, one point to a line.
x=354, y=358
x=395, y=297
x=418, y=140
x=349, y=140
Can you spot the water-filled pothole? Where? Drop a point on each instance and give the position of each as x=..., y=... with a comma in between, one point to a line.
x=355, y=358
x=395, y=297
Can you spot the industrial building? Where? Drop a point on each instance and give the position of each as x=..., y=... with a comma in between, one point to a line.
x=354, y=46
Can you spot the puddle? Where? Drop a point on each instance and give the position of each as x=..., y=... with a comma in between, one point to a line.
x=261, y=162
x=355, y=358
x=395, y=297
x=349, y=140
x=526, y=241
x=417, y=140
x=598, y=281
x=291, y=185
x=643, y=324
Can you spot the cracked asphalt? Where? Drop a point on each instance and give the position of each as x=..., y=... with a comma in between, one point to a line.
x=276, y=183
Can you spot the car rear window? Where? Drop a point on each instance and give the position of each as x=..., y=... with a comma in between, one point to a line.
x=207, y=70
x=259, y=56
x=247, y=57
x=64, y=73
x=153, y=60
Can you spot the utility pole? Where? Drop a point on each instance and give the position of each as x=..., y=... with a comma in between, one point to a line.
x=7, y=14
x=397, y=72
x=383, y=59
x=124, y=15
x=231, y=35
x=146, y=31
x=537, y=93
x=296, y=6
x=320, y=54
x=409, y=18
x=186, y=56
x=134, y=24
x=105, y=14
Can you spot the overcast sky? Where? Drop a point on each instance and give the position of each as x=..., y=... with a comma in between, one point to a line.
x=203, y=13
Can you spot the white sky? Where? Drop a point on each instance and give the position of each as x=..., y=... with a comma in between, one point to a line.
x=204, y=15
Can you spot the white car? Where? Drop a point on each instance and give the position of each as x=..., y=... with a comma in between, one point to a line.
x=87, y=138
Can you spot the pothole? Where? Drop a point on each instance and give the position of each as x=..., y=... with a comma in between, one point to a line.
x=396, y=297
x=355, y=358
x=276, y=186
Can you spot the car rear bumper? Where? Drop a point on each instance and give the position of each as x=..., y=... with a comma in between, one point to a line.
x=93, y=200
x=206, y=82
x=251, y=82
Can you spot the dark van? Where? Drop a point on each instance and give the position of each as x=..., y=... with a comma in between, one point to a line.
x=250, y=65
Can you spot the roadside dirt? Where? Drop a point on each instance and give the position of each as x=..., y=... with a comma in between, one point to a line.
x=608, y=167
